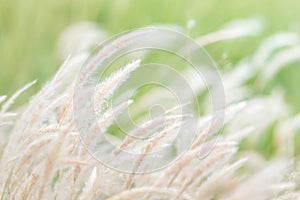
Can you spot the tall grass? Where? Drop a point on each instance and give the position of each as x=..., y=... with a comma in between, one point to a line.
x=42, y=156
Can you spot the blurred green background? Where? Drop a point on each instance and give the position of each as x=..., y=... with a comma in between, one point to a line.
x=29, y=30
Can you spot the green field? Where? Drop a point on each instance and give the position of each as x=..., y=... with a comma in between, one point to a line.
x=29, y=30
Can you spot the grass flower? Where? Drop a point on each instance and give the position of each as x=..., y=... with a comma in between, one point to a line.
x=42, y=155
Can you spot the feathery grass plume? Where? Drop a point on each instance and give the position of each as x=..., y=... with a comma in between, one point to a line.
x=106, y=88
x=44, y=158
x=12, y=99
x=149, y=146
x=271, y=44
x=88, y=188
x=146, y=127
x=2, y=98
x=214, y=184
x=232, y=30
x=279, y=61
x=136, y=193
x=256, y=187
x=78, y=38
x=205, y=168
x=285, y=135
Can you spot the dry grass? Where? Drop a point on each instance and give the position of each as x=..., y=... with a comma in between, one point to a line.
x=42, y=156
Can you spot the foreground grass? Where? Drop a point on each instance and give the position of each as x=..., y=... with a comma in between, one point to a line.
x=42, y=156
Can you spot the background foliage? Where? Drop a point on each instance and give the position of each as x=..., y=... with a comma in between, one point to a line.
x=29, y=30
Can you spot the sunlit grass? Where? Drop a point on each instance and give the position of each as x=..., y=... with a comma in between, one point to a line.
x=29, y=31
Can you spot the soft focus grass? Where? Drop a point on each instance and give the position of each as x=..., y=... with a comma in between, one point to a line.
x=29, y=30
